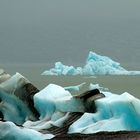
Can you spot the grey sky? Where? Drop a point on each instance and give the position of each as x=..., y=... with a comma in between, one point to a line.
x=33, y=31
x=34, y=11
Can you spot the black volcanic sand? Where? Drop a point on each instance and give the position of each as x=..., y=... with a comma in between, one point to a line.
x=121, y=135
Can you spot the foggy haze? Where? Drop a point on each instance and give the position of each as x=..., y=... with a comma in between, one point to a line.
x=47, y=31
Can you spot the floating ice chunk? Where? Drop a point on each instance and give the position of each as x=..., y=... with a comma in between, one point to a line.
x=57, y=119
x=132, y=73
x=18, y=86
x=102, y=65
x=54, y=98
x=114, y=113
x=97, y=86
x=95, y=65
x=16, y=82
x=3, y=76
x=90, y=77
x=107, y=93
x=53, y=103
x=61, y=69
x=14, y=109
x=75, y=88
x=46, y=98
x=9, y=131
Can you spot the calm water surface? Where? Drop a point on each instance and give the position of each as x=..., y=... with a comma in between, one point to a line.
x=116, y=84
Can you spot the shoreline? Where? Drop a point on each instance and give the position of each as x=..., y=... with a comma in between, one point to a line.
x=119, y=135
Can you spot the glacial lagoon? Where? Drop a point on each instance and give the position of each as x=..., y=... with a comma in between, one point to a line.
x=116, y=84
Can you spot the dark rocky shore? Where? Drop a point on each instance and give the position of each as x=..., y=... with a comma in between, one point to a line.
x=121, y=135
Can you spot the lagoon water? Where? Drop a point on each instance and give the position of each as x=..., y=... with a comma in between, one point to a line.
x=50, y=31
x=116, y=84
x=34, y=35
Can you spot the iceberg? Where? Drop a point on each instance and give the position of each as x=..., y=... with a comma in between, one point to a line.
x=97, y=86
x=114, y=113
x=18, y=89
x=54, y=110
x=3, y=76
x=9, y=131
x=76, y=88
x=55, y=98
x=13, y=109
x=95, y=65
x=61, y=69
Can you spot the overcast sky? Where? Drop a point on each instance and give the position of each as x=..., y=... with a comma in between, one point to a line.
x=34, y=11
x=33, y=31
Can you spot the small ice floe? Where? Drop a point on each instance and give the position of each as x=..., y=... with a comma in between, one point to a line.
x=75, y=88
x=3, y=76
x=97, y=86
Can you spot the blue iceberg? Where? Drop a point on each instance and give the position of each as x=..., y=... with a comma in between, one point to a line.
x=95, y=65
x=85, y=113
x=10, y=131
x=115, y=113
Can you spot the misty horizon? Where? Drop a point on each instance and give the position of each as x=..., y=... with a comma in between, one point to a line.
x=50, y=31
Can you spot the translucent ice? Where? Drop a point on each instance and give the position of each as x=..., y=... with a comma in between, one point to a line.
x=55, y=98
x=9, y=131
x=114, y=113
x=55, y=103
x=95, y=65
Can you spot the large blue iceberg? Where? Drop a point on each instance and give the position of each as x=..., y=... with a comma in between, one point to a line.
x=115, y=113
x=95, y=65
x=97, y=112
